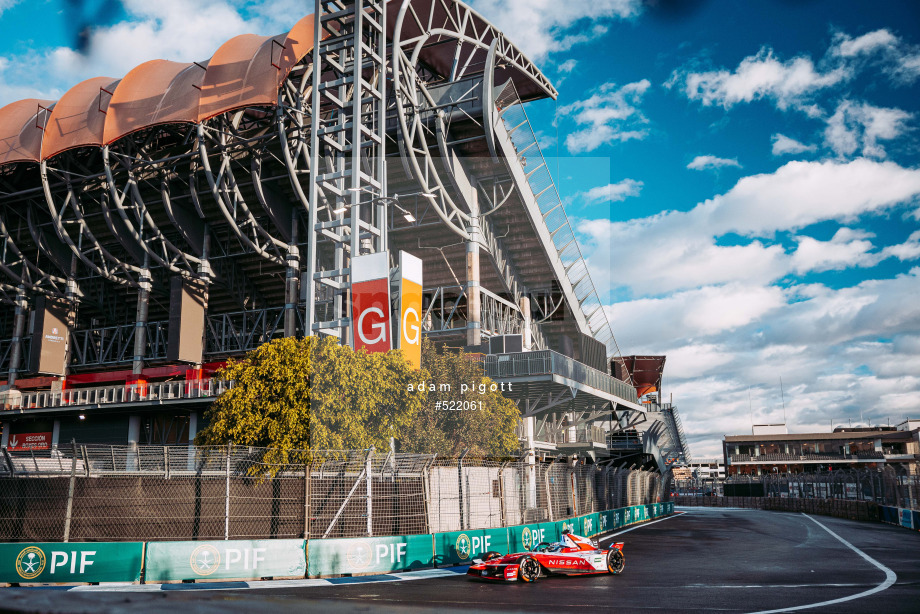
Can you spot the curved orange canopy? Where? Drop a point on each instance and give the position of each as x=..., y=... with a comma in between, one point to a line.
x=78, y=119
x=21, y=131
x=248, y=70
x=156, y=92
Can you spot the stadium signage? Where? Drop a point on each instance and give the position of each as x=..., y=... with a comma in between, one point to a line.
x=459, y=547
x=370, y=302
x=237, y=559
x=30, y=441
x=410, y=308
x=369, y=555
x=71, y=562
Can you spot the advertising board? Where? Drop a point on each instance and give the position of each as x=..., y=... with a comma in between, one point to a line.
x=71, y=562
x=369, y=554
x=370, y=303
x=234, y=559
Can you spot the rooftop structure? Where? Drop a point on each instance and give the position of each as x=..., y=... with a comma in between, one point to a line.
x=783, y=452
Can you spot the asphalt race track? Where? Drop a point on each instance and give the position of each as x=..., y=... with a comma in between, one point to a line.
x=704, y=560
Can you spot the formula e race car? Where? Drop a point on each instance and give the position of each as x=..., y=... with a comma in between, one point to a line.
x=571, y=555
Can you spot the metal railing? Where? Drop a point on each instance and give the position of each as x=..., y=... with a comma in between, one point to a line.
x=885, y=486
x=124, y=393
x=781, y=457
x=115, y=344
x=548, y=362
x=544, y=192
x=6, y=352
x=241, y=331
x=150, y=493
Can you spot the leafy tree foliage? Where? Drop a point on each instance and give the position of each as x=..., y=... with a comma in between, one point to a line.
x=309, y=393
x=297, y=394
x=486, y=431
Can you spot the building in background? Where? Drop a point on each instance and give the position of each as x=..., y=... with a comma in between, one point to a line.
x=772, y=449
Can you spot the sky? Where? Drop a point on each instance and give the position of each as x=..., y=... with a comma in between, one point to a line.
x=744, y=177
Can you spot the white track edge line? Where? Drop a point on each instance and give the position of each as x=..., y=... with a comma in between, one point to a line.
x=639, y=526
x=890, y=578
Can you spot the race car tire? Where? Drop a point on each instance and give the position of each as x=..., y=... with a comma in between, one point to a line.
x=491, y=554
x=528, y=569
x=616, y=561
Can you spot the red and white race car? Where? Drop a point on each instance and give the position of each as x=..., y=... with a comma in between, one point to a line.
x=572, y=555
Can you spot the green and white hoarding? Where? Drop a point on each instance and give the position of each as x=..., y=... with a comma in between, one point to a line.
x=71, y=562
x=234, y=559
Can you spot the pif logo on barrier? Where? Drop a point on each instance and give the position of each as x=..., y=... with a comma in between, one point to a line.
x=526, y=539
x=463, y=546
x=531, y=537
x=205, y=560
x=30, y=563
x=359, y=555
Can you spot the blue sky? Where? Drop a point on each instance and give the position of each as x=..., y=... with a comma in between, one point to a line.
x=744, y=176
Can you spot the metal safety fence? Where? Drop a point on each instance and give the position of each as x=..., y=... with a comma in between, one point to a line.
x=151, y=493
x=883, y=486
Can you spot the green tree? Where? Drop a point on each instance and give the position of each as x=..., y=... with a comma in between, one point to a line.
x=309, y=393
x=489, y=431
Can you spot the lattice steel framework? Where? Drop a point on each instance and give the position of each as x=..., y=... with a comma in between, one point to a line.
x=347, y=150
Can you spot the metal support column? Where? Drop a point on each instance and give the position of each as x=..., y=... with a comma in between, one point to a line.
x=347, y=150
x=19, y=326
x=524, y=304
x=473, y=293
x=145, y=283
x=291, y=291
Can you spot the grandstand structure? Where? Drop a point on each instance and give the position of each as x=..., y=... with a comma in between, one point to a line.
x=155, y=224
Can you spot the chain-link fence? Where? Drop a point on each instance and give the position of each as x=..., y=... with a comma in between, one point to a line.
x=150, y=493
x=884, y=486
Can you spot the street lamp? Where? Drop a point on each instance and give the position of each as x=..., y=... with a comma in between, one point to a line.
x=387, y=200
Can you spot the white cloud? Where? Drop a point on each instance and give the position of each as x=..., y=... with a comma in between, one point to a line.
x=784, y=145
x=684, y=256
x=909, y=250
x=567, y=66
x=179, y=30
x=821, y=341
x=802, y=193
x=610, y=114
x=909, y=67
x=762, y=76
x=612, y=192
x=861, y=126
x=845, y=46
x=687, y=251
x=7, y=4
x=898, y=59
x=847, y=248
x=700, y=163
x=540, y=27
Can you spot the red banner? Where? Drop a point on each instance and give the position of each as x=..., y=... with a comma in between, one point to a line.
x=30, y=441
x=370, y=302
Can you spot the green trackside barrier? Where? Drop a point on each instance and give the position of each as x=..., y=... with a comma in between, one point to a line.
x=235, y=559
x=525, y=537
x=71, y=562
x=588, y=525
x=606, y=521
x=461, y=547
x=369, y=554
x=281, y=558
